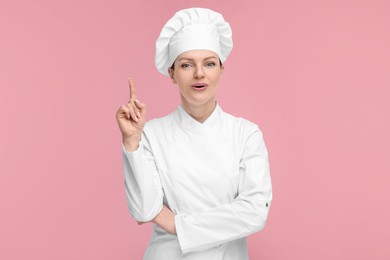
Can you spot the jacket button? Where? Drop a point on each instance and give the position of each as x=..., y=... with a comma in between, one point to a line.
x=266, y=204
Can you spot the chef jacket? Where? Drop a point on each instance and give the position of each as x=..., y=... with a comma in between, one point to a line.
x=213, y=175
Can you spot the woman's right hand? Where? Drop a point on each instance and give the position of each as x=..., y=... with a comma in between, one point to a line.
x=131, y=120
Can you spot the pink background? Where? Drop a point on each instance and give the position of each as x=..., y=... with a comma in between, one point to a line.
x=313, y=74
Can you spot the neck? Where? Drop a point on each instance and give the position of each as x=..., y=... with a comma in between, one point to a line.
x=200, y=113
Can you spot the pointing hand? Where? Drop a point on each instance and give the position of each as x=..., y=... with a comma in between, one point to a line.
x=131, y=119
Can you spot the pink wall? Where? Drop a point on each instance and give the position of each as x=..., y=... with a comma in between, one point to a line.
x=313, y=74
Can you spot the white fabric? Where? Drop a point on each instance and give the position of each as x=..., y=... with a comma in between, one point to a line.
x=214, y=176
x=192, y=29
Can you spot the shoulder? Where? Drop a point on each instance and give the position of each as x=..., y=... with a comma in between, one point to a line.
x=160, y=123
x=241, y=125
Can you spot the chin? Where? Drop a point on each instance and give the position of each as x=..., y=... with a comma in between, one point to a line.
x=201, y=102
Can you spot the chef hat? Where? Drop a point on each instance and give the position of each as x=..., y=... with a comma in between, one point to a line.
x=192, y=29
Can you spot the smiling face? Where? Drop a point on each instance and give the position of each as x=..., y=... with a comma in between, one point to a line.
x=197, y=74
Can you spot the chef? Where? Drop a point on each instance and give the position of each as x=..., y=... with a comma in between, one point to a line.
x=200, y=175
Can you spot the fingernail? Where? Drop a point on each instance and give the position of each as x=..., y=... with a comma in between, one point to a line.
x=138, y=114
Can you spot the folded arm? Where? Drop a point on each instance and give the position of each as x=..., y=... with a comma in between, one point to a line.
x=143, y=187
x=243, y=216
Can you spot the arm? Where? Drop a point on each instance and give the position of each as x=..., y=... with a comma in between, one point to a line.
x=143, y=188
x=240, y=218
x=142, y=184
x=165, y=220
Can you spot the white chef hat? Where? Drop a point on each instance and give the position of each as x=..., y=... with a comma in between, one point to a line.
x=192, y=29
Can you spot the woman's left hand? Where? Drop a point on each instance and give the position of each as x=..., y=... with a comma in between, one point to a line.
x=165, y=220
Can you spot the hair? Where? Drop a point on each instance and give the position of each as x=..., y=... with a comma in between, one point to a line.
x=173, y=65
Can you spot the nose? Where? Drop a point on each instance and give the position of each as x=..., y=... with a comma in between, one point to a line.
x=199, y=73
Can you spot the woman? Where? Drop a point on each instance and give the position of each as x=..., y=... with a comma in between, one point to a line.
x=200, y=175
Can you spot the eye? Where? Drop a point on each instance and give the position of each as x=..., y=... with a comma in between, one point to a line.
x=210, y=64
x=185, y=65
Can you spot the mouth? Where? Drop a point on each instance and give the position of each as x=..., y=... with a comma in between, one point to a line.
x=199, y=86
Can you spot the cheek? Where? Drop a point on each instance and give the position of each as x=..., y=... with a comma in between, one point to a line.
x=183, y=77
x=181, y=85
x=217, y=78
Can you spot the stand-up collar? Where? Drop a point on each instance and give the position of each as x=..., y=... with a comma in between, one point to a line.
x=189, y=122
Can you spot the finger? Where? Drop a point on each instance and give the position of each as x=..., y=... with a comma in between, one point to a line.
x=140, y=106
x=141, y=223
x=136, y=109
x=133, y=95
x=132, y=112
x=125, y=110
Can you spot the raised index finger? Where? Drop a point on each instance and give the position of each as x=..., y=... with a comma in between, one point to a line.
x=132, y=89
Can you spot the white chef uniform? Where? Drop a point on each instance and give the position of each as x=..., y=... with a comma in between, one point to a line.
x=213, y=175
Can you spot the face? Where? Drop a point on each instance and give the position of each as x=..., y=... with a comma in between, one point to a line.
x=197, y=74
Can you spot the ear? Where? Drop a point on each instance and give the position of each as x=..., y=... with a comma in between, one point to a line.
x=221, y=71
x=171, y=73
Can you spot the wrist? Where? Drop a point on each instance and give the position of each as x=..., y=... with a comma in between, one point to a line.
x=166, y=220
x=131, y=143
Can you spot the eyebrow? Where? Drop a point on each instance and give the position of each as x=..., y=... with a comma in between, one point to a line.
x=190, y=59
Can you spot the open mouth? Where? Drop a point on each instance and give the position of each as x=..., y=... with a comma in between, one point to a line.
x=199, y=86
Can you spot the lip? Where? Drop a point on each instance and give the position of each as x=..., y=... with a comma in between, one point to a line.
x=199, y=86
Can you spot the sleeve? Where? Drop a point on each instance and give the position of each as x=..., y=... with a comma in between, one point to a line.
x=143, y=187
x=245, y=215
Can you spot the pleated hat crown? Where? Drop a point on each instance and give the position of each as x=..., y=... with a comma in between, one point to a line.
x=192, y=29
